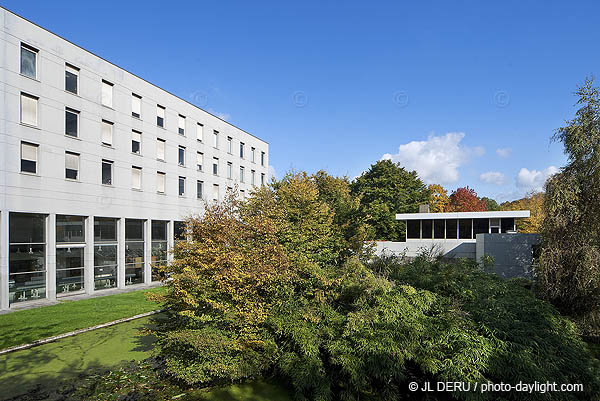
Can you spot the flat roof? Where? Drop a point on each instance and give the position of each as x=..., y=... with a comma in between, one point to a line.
x=464, y=215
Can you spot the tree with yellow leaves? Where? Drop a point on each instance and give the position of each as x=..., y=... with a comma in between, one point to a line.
x=438, y=198
x=533, y=202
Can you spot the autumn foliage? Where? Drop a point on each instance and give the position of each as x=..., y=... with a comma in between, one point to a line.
x=465, y=200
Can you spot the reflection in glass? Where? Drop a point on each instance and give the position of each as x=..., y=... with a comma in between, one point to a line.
x=69, y=270
x=105, y=266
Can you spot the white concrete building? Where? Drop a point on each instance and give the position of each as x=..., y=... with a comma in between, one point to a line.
x=98, y=167
x=451, y=234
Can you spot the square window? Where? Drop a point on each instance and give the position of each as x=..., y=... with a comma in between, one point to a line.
x=107, y=133
x=29, y=61
x=136, y=142
x=107, y=166
x=29, y=109
x=181, y=186
x=160, y=149
x=107, y=94
x=71, y=78
x=136, y=105
x=160, y=116
x=182, y=156
x=136, y=177
x=71, y=166
x=29, y=157
x=199, y=189
x=181, y=125
x=160, y=182
x=71, y=122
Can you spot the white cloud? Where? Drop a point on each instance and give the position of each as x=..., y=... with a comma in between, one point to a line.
x=534, y=180
x=437, y=159
x=504, y=152
x=493, y=177
x=222, y=116
x=272, y=173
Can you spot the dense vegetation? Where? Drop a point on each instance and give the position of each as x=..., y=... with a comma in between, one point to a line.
x=570, y=261
x=281, y=285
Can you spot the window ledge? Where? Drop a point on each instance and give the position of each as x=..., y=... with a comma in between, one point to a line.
x=136, y=190
x=28, y=77
x=108, y=107
x=30, y=126
x=108, y=185
x=73, y=137
x=30, y=174
x=74, y=94
x=108, y=146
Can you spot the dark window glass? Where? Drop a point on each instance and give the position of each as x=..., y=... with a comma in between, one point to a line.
x=179, y=230
x=69, y=270
x=481, y=226
x=215, y=168
x=71, y=123
x=70, y=82
x=134, y=229
x=181, y=186
x=199, y=188
x=160, y=121
x=105, y=229
x=70, y=229
x=507, y=224
x=28, y=60
x=27, y=258
x=27, y=228
x=181, y=156
x=451, y=229
x=106, y=173
x=439, y=229
x=181, y=131
x=464, y=228
x=427, y=227
x=159, y=230
x=135, y=146
x=71, y=174
x=28, y=166
x=241, y=150
x=413, y=229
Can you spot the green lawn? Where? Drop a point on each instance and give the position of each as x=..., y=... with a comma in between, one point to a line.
x=22, y=327
x=66, y=359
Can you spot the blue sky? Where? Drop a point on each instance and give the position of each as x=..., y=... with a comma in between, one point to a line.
x=466, y=93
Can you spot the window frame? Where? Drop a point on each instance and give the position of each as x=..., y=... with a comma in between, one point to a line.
x=160, y=108
x=37, y=109
x=76, y=113
x=77, y=155
x=161, y=175
x=37, y=157
x=139, y=169
x=76, y=74
x=110, y=124
x=139, y=99
x=181, y=156
x=35, y=52
x=111, y=164
x=111, y=86
x=139, y=152
x=181, y=181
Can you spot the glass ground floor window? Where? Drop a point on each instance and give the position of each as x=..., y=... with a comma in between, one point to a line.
x=105, y=253
x=70, y=251
x=27, y=257
x=159, y=247
x=69, y=269
x=134, y=251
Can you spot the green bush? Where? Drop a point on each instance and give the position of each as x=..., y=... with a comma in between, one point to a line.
x=533, y=341
x=264, y=288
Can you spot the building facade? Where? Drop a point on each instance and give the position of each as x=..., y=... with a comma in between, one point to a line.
x=99, y=167
x=453, y=234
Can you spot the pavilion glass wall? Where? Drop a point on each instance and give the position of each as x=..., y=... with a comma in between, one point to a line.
x=105, y=253
x=70, y=251
x=27, y=257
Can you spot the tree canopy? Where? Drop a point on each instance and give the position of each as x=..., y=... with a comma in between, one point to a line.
x=385, y=189
x=570, y=258
x=466, y=200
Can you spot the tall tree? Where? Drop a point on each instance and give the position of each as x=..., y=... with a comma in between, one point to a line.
x=384, y=190
x=438, y=199
x=534, y=203
x=490, y=204
x=570, y=259
x=466, y=200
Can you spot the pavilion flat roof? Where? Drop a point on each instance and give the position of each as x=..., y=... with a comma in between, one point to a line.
x=464, y=215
